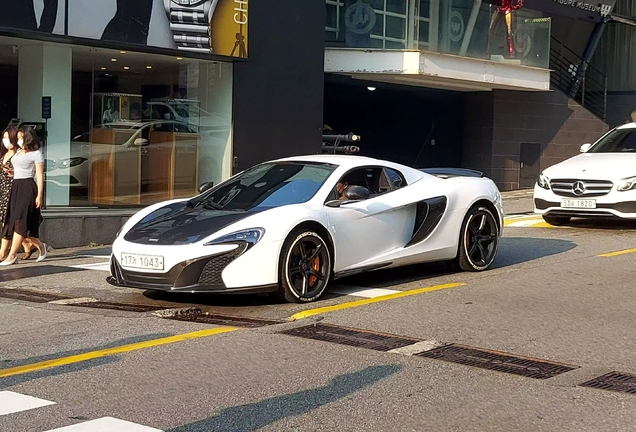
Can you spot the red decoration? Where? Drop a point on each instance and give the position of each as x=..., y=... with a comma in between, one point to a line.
x=505, y=8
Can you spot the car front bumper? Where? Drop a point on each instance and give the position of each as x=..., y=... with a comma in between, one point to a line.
x=201, y=275
x=614, y=204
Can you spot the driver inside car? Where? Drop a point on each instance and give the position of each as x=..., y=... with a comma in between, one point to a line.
x=341, y=189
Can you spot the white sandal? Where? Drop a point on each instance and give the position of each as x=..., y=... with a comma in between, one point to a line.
x=42, y=256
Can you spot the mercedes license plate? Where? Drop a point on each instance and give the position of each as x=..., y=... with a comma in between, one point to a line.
x=578, y=203
x=145, y=262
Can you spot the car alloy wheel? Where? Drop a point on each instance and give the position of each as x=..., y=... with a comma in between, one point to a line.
x=306, y=267
x=480, y=239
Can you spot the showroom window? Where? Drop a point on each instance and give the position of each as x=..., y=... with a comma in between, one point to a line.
x=144, y=128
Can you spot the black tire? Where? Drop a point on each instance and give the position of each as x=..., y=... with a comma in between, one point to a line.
x=557, y=220
x=304, y=268
x=478, y=240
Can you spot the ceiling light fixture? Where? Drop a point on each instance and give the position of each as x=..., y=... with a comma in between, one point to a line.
x=126, y=67
x=148, y=67
x=122, y=52
x=103, y=68
x=113, y=59
x=371, y=88
x=179, y=58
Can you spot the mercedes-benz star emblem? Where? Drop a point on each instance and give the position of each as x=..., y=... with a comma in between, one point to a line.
x=578, y=188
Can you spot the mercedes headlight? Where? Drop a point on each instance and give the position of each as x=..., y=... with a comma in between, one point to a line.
x=543, y=182
x=72, y=162
x=250, y=237
x=626, y=184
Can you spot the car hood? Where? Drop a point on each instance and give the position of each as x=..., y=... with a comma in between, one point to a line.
x=595, y=166
x=179, y=223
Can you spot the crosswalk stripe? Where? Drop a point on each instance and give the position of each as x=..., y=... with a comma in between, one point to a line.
x=11, y=402
x=106, y=424
x=364, y=292
x=96, y=266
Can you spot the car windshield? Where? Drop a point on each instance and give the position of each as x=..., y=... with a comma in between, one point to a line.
x=617, y=141
x=266, y=186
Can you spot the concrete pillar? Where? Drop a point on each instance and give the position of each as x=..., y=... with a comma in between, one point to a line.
x=47, y=70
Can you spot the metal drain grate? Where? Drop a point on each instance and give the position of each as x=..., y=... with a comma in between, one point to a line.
x=613, y=381
x=225, y=320
x=498, y=361
x=119, y=306
x=351, y=337
x=30, y=296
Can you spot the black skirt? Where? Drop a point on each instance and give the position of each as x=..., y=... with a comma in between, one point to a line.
x=23, y=217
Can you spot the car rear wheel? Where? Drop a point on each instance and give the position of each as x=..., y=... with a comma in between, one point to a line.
x=479, y=240
x=305, y=267
x=557, y=220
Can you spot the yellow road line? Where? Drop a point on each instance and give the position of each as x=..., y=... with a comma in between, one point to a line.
x=18, y=370
x=363, y=302
x=622, y=252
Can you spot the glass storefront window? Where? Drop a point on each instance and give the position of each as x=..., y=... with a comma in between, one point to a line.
x=458, y=27
x=145, y=128
x=127, y=129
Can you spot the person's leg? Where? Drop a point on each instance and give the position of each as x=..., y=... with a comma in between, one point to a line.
x=15, y=246
x=27, y=245
x=4, y=248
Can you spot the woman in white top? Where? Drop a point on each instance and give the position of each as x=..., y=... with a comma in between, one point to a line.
x=24, y=216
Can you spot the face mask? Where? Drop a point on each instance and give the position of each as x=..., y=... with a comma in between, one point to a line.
x=7, y=143
x=21, y=143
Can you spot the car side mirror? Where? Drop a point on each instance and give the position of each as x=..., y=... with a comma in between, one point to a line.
x=585, y=147
x=205, y=186
x=356, y=193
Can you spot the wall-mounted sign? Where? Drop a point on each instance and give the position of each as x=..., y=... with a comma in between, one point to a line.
x=456, y=26
x=587, y=10
x=199, y=26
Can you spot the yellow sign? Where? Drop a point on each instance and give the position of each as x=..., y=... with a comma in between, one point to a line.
x=229, y=28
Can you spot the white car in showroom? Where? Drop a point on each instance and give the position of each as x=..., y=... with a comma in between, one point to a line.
x=599, y=182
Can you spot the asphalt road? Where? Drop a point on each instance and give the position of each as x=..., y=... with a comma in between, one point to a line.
x=555, y=311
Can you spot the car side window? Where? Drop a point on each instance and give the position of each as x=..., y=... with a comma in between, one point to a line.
x=391, y=180
x=367, y=177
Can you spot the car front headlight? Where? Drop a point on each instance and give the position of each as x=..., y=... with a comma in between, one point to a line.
x=72, y=162
x=249, y=236
x=543, y=182
x=626, y=184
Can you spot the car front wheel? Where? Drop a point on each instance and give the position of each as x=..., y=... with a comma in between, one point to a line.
x=305, y=267
x=479, y=240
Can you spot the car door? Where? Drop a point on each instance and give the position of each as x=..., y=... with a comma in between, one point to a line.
x=366, y=229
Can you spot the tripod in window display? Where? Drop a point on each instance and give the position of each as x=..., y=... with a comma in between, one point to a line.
x=504, y=12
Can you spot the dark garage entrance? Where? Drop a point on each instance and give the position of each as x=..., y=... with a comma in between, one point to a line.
x=415, y=126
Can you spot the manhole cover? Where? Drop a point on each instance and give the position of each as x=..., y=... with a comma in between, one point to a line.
x=225, y=320
x=351, y=337
x=613, y=381
x=501, y=362
x=30, y=296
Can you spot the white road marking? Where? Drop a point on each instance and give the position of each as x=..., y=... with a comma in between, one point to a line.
x=74, y=301
x=364, y=292
x=96, y=266
x=106, y=424
x=417, y=347
x=11, y=402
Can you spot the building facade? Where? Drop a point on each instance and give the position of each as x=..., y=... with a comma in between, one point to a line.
x=505, y=87
x=140, y=101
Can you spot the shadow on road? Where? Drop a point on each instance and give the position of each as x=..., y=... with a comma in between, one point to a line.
x=512, y=250
x=517, y=250
x=254, y=416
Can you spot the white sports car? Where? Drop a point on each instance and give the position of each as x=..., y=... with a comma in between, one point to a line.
x=600, y=182
x=292, y=225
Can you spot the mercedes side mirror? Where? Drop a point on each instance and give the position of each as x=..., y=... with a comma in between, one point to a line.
x=356, y=193
x=141, y=142
x=585, y=147
x=205, y=186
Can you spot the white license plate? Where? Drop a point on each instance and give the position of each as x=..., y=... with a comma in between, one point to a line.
x=578, y=203
x=145, y=262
